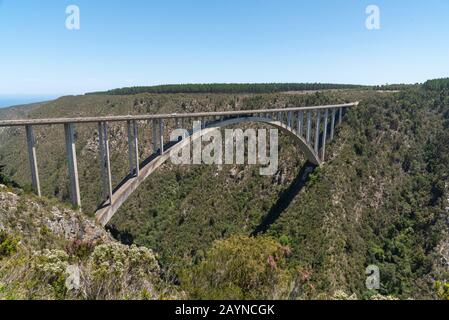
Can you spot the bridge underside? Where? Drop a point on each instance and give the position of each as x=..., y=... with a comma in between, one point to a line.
x=131, y=183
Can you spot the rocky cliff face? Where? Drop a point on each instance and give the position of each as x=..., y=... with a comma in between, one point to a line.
x=49, y=251
x=26, y=216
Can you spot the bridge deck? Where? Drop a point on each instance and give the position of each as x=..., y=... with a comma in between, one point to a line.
x=51, y=121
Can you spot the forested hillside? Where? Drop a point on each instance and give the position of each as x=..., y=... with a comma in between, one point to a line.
x=379, y=199
x=230, y=88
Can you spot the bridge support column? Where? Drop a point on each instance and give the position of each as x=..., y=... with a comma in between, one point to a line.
x=102, y=158
x=73, y=165
x=309, y=127
x=178, y=126
x=317, y=132
x=105, y=160
x=333, y=124
x=133, y=148
x=33, y=160
x=183, y=127
x=136, y=147
x=323, y=148
x=161, y=135
x=130, y=148
x=300, y=123
x=203, y=122
x=340, y=115
x=154, y=135
x=289, y=121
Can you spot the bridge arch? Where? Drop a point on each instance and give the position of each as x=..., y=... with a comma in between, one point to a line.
x=105, y=213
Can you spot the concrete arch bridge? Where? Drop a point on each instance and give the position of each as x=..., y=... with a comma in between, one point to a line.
x=309, y=127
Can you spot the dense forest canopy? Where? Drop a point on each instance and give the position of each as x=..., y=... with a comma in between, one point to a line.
x=229, y=88
x=437, y=84
x=234, y=88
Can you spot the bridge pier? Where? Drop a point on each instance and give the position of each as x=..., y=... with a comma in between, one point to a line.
x=333, y=124
x=161, y=135
x=133, y=148
x=203, y=122
x=183, y=127
x=340, y=115
x=72, y=163
x=105, y=161
x=323, y=148
x=177, y=123
x=33, y=160
x=289, y=121
x=317, y=131
x=300, y=123
x=102, y=158
x=154, y=135
x=136, y=147
x=179, y=126
x=309, y=126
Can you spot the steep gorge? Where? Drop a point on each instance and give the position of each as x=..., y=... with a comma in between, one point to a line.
x=378, y=200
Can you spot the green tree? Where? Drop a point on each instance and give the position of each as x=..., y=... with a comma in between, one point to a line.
x=240, y=268
x=442, y=290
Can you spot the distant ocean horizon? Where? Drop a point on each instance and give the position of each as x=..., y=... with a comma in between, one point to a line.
x=10, y=101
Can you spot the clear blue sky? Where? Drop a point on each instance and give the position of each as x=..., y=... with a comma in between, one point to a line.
x=144, y=42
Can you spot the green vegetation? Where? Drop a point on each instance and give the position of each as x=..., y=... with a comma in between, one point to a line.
x=240, y=268
x=229, y=88
x=5, y=180
x=437, y=84
x=8, y=244
x=73, y=251
x=395, y=87
x=112, y=271
x=380, y=199
x=442, y=290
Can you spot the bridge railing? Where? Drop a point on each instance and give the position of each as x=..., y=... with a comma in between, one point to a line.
x=54, y=121
x=299, y=120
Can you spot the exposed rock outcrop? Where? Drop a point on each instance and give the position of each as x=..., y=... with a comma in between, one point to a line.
x=29, y=216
